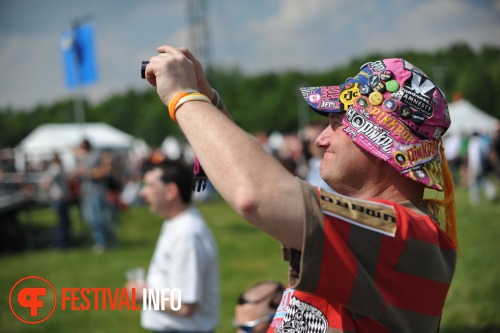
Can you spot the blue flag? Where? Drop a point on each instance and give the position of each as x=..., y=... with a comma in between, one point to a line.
x=79, y=58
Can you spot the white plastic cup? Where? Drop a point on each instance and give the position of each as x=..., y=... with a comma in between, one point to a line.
x=135, y=274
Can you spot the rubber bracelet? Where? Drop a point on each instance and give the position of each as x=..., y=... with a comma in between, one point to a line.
x=173, y=102
x=216, y=100
x=192, y=97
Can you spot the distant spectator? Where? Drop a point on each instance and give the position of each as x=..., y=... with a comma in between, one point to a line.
x=94, y=172
x=262, y=138
x=452, y=144
x=291, y=155
x=114, y=187
x=477, y=173
x=495, y=150
x=55, y=182
x=185, y=256
x=130, y=195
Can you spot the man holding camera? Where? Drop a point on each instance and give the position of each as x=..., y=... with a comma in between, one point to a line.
x=373, y=257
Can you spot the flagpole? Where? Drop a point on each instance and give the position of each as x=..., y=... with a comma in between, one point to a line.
x=79, y=110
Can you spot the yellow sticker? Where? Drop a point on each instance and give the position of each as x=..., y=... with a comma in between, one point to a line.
x=376, y=98
x=348, y=96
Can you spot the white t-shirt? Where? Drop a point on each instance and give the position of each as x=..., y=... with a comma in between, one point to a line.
x=185, y=257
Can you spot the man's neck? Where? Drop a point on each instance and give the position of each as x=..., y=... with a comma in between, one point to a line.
x=398, y=190
x=176, y=211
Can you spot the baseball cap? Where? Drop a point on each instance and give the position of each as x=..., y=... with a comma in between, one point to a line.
x=395, y=112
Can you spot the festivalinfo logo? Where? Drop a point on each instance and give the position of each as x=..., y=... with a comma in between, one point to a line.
x=33, y=299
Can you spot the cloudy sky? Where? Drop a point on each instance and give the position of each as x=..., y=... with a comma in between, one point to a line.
x=256, y=36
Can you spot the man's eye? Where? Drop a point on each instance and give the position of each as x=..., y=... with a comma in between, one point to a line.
x=337, y=124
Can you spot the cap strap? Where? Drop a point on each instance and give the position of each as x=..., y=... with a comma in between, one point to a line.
x=449, y=200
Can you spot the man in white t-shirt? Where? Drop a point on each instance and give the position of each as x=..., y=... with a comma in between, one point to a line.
x=185, y=257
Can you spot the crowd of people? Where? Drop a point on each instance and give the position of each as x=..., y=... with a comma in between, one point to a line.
x=475, y=163
x=93, y=187
x=103, y=183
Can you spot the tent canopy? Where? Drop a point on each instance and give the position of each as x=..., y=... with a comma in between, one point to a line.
x=56, y=137
x=466, y=119
x=48, y=139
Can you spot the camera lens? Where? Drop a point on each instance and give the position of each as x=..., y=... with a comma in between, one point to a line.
x=143, y=68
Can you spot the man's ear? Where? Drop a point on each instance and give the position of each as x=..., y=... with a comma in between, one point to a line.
x=171, y=191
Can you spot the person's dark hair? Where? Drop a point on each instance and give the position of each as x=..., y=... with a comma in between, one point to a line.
x=85, y=144
x=56, y=158
x=179, y=173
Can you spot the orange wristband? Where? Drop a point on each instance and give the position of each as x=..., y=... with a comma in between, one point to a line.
x=173, y=102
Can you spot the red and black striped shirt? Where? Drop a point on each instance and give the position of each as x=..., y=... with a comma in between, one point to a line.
x=366, y=266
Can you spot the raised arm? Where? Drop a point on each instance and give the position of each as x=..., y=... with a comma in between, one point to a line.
x=248, y=178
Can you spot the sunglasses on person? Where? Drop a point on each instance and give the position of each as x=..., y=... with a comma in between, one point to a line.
x=247, y=327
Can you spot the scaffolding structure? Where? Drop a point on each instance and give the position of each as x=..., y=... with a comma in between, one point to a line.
x=199, y=31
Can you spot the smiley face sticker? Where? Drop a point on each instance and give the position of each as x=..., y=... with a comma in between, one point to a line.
x=376, y=98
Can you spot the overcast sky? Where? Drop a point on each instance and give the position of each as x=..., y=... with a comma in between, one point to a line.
x=255, y=35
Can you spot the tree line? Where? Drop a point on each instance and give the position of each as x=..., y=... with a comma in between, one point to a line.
x=267, y=101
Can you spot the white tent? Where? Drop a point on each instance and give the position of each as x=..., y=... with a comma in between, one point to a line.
x=48, y=139
x=466, y=119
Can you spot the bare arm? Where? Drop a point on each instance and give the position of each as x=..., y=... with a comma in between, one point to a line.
x=186, y=310
x=251, y=180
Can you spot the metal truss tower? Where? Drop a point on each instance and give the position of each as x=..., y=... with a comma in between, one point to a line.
x=199, y=33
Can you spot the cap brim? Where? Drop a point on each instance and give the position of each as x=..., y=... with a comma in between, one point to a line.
x=323, y=100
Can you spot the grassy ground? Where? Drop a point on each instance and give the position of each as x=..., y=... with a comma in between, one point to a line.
x=246, y=256
x=473, y=302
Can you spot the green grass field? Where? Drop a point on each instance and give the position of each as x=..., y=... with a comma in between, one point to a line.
x=246, y=256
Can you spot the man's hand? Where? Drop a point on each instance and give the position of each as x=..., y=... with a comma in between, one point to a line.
x=170, y=72
x=138, y=286
x=201, y=80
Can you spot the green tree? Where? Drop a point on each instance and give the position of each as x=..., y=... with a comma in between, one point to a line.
x=267, y=101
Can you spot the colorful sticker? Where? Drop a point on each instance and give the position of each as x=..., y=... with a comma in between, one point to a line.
x=377, y=66
x=348, y=96
x=423, y=152
x=361, y=124
x=417, y=93
x=400, y=158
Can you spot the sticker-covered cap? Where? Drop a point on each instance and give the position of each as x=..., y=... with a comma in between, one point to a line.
x=401, y=123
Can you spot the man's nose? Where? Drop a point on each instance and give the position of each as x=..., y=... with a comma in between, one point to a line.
x=323, y=139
